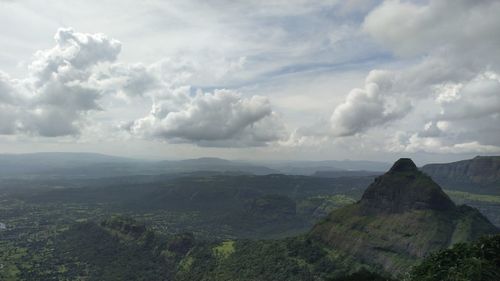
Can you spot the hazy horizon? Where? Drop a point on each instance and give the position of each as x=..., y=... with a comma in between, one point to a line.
x=242, y=160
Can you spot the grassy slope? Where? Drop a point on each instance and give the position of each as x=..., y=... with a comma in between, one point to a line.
x=397, y=241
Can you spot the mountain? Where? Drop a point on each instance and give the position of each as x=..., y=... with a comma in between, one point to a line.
x=54, y=162
x=342, y=173
x=92, y=165
x=310, y=167
x=402, y=216
x=478, y=175
x=214, y=165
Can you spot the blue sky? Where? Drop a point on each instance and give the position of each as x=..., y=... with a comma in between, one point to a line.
x=356, y=79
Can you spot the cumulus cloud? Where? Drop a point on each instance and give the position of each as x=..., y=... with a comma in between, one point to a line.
x=56, y=96
x=73, y=52
x=453, y=87
x=67, y=82
x=364, y=108
x=221, y=118
x=128, y=80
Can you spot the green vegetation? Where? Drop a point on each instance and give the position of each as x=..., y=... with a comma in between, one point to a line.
x=298, y=258
x=400, y=218
x=461, y=196
x=224, y=250
x=478, y=261
x=212, y=227
x=213, y=206
x=120, y=248
x=48, y=220
x=488, y=204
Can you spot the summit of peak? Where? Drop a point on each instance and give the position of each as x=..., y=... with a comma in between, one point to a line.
x=403, y=165
x=404, y=188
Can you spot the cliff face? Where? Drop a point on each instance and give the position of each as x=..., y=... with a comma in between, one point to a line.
x=404, y=188
x=481, y=172
x=402, y=216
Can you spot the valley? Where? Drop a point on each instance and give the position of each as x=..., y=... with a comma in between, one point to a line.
x=229, y=219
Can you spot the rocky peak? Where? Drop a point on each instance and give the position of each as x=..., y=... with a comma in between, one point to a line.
x=404, y=188
x=403, y=165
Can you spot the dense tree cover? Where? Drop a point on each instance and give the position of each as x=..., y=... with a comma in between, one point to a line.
x=116, y=249
x=478, y=261
x=44, y=243
x=289, y=259
x=243, y=206
x=363, y=275
x=123, y=249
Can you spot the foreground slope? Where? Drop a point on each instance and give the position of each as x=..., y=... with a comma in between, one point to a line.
x=479, y=260
x=403, y=216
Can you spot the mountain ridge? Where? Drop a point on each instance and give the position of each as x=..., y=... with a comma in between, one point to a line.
x=480, y=174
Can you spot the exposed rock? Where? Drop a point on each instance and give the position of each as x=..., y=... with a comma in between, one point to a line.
x=404, y=188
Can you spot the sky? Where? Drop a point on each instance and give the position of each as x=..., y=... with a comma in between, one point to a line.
x=255, y=80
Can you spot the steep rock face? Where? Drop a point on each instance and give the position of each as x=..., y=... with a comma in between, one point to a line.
x=404, y=188
x=481, y=171
x=402, y=216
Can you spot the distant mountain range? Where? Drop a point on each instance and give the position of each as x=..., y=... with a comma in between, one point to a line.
x=311, y=167
x=479, y=175
x=92, y=165
x=341, y=174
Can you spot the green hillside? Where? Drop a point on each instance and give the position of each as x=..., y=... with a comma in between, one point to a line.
x=402, y=216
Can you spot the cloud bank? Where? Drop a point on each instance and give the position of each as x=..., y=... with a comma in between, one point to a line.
x=67, y=83
x=453, y=85
x=423, y=76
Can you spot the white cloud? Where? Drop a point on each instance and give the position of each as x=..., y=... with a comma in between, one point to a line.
x=57, y=95
x=472, y=99
x=221, y=118
x=128, y=80
x=453, y=87
x=416, y=144
x=462, y=27
x=68, y=81
x=365, y=108
x=433, y=67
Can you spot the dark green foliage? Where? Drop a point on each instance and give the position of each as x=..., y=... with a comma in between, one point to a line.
x=120, y=249
x=261, y=260
x=479, y=261
x=109, y=258
x=363, y=275
x=242, y=206
x=288, y=259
